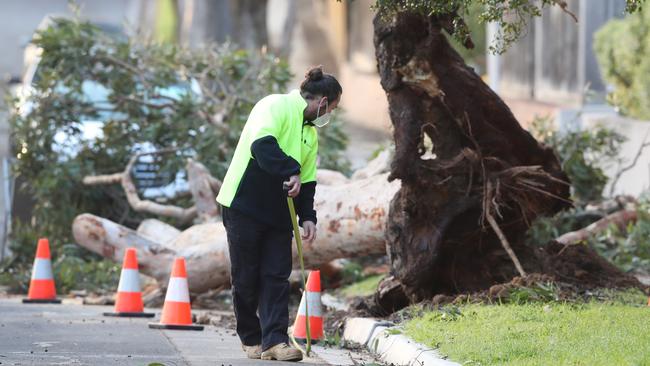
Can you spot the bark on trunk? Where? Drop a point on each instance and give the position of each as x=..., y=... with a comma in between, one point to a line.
x=352, y=217
x=460, y=153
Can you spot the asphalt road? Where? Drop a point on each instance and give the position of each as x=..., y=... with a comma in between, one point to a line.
x=71, y=334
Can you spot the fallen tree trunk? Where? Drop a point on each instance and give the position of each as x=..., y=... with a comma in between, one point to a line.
x=352, y=217
x=203, y=188
x=158, y=231
x=204, y=246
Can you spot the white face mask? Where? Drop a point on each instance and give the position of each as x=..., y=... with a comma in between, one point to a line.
x=321, y=121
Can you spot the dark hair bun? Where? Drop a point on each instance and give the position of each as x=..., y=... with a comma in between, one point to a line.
x=315, y=73
x=317, y=83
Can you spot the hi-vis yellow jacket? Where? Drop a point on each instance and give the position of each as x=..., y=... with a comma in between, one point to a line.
x=275, y=144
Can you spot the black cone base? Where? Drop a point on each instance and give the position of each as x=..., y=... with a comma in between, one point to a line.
x=41, y=301
x=131, y=315
x=175, y=326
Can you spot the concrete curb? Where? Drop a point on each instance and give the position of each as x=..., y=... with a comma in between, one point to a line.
x=389, y=346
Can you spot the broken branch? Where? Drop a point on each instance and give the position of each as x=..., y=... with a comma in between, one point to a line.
x=504, y=242
x=619, y=218
x=95, y=180
x=565, y=8
x=183, y=214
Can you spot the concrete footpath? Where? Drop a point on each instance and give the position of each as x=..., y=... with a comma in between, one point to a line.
x=71, y=334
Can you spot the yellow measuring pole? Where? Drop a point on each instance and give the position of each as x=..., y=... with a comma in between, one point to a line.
x=296, y=234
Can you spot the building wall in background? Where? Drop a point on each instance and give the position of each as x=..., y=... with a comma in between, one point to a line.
x=554, y=62
x=339, y=36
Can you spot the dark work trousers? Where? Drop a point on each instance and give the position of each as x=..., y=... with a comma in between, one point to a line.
x=260, y=260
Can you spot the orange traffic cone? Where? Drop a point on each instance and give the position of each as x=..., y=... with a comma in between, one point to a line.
x=177, y=312
x=129, y=298
x=312, y=296
x=41, y=287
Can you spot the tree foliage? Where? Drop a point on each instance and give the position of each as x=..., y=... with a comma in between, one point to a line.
x=583, y=154
x=98, y=99
x=511, y=16
x=622, y=47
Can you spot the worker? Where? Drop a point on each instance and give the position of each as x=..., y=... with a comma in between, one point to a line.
x=277, y=146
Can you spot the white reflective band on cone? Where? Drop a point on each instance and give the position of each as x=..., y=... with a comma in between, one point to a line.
x=313, y=300
x=177, y=290
x=129, y=281
x=42, y=269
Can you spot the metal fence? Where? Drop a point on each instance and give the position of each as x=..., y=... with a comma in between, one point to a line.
x=555, y=61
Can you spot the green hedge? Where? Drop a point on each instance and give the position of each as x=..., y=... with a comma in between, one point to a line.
x=622, y=47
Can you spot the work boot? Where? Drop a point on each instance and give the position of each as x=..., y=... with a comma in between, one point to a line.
x=254, y=352
x=282, y=352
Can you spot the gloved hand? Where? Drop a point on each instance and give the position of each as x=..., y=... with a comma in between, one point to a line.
x=308, y=231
